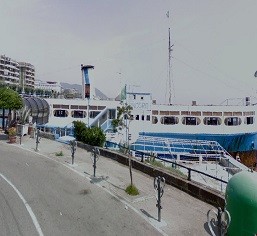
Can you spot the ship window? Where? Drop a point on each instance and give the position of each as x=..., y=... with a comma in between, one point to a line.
x=78, y=114
x=217, y=113
x=56, y=106
x=190, y=120
x=228, y=113
x=111, y=114
x=65, y=106
x=232, y=121
x=195, y=113
x=100, y=107
x=83, y=107
x=74, y=106
x=164, y=112
x=92, y=107
x=148, y=117
x=93, y=114
x=169, y=120
x=185, y=112
x=249, y=113
x=212, y=121
x=174, y=113
x=249, y=120
x=60, y=113
x=154, y=120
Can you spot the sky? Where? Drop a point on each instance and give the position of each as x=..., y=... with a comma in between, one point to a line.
x=214, y=55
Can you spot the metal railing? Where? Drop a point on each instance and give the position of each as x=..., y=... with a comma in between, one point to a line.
x=142, y=156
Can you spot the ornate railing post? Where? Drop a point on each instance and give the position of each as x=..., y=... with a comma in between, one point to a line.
x=95, y=157
x=159, y=183
x=73, y=146
x=37, y=139
x=219, y=223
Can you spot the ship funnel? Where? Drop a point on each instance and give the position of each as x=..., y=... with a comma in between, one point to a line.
x=193, y=103
x=85, y=81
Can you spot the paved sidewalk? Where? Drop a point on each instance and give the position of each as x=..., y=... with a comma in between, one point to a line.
x=182, y=214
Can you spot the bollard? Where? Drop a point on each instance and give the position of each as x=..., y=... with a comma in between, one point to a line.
x=159, y=183
x=73, y=146
x=37, y=139
x=94, y=157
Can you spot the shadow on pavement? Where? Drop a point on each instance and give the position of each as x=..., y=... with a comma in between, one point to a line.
x=98, y=179
x=115, y=186
x=206, y=227
x=147, y=214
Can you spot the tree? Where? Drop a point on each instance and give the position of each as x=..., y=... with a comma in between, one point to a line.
x=122, y=122
x=11, y=100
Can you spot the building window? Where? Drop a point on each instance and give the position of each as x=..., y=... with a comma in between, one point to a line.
x=212, y=121
x=137, y=117
x=143, y=117
x=148, y=117
x=232, y=121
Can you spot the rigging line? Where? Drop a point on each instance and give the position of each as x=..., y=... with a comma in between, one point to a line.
x=209, y=63
x=211, y=76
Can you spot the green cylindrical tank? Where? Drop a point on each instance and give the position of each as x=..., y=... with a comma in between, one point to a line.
x=241, y=203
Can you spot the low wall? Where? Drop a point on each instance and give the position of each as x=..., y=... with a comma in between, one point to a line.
x=195, y=189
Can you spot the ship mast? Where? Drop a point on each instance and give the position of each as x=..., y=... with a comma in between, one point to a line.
x=169, y=70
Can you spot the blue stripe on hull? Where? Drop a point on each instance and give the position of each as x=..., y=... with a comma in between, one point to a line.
x=231, y=142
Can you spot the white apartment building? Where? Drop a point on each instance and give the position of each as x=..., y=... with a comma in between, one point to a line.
x=9, y=71
x=16, y=73
x=48, y=86
x=27, y=74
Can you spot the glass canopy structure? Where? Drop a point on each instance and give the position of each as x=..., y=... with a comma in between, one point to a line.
x=39, y=109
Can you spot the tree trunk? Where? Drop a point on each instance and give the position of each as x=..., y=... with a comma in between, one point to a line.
x=130, y=171
x=3, y=120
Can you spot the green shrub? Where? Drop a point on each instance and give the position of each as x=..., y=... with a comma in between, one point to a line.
x=79, y=126
x=132, y=190
x=58, y=154
x=93, y=136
